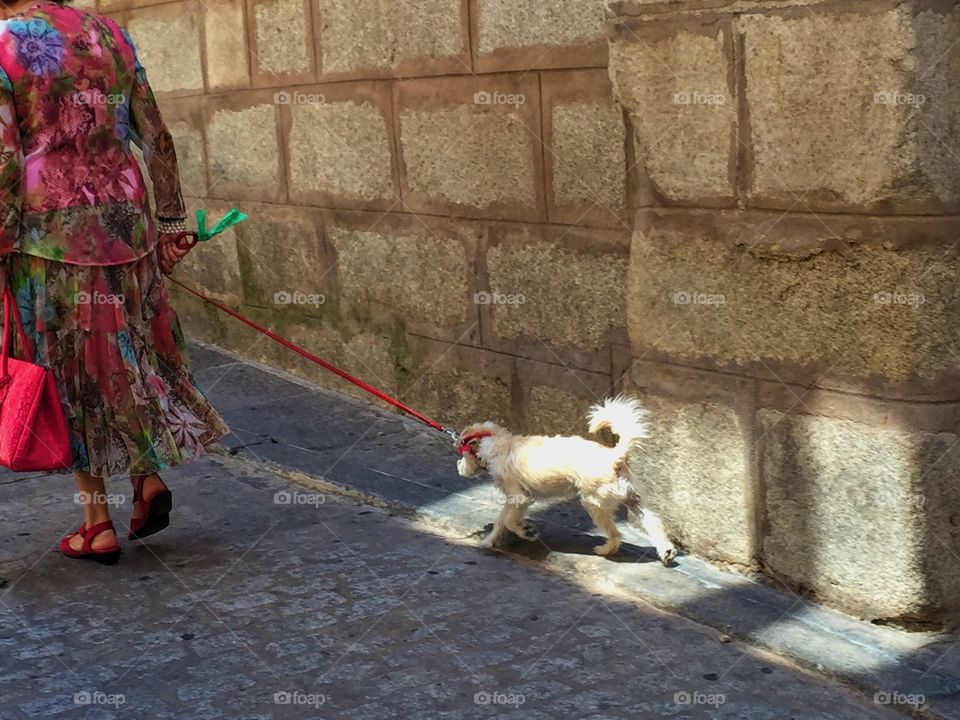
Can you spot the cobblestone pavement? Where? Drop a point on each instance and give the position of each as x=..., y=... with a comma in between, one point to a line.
x=264, y=600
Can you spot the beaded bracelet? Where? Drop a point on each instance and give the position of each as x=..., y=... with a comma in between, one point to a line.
x=166, y=225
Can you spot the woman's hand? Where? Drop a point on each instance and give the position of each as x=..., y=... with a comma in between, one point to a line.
x=170, y=251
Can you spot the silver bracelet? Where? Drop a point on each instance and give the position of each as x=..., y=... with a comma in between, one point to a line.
x=166, y=225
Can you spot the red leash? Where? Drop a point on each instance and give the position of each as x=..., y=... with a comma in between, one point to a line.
x=320, y=361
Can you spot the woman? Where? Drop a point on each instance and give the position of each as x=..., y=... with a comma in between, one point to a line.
x=84, y=258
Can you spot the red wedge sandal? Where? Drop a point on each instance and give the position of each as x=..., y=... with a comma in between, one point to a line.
x=107, y=556
x=157, y=515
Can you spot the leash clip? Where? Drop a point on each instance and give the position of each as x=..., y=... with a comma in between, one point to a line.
x=454, y=435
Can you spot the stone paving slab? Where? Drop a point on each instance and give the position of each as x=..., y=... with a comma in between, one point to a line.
x=252, y=608
x=312, y=433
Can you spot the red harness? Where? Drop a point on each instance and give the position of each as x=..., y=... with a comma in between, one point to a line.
x=464, y=447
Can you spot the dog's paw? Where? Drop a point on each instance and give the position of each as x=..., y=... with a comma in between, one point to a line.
x=528, y=531
x=668, y=556
x=489, y=541
x=607, y=549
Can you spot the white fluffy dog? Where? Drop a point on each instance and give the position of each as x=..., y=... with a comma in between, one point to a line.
x=529, y=468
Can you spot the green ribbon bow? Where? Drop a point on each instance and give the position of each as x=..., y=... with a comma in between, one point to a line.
x=232, y=218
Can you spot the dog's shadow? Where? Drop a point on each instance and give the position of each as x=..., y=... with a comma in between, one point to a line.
x=568, y=542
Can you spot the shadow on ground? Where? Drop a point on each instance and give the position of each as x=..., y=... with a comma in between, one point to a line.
x=248, y=596
x=324, y=608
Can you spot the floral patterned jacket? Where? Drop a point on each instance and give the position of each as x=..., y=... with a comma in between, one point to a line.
x=72, y=97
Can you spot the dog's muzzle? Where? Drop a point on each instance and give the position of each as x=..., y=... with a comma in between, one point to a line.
x=464, y=447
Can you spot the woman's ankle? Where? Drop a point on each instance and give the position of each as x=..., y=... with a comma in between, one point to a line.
x=92, y=492
x=95, y=513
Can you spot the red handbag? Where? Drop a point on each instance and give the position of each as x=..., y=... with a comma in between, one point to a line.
x=33, y=429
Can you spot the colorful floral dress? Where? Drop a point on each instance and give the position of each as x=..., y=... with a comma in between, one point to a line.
x=80, y=240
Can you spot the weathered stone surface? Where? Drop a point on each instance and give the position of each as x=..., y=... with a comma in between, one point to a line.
x=188, y=141
x=215, y=269
x=589, y=171
x=929, y=417
x=168, y=45
x=462, y=397
x=341, y=150
x=356, y=36
x=462, y=385
x=552, y=294
x=938, y=468
x=550, y=411
x=694, y=468
x=225, y=40
x=676, y=85
x=371, y=356
x=113, y=6
x=243, y=151
x=853, y=512
x=554, y=397
x=250, y=344
x=523, y=23
x=284, y=266
x=282, y=38
x=497, y=148
x=589, y=158
x=937, y=145
x=198, y=320
x=862, y=315
x=800, y=235
x=367, y=355
x=845, y=121
x=414, y=273
x=626, y=9
x=453, y=381
x=489, y=124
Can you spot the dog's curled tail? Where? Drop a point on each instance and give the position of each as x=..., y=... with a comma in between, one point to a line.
x=624, y=416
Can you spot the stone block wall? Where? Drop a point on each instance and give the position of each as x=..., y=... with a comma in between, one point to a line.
x=743, y=211
x=793, y=289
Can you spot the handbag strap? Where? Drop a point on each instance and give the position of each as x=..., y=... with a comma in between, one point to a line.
x=10, y=307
